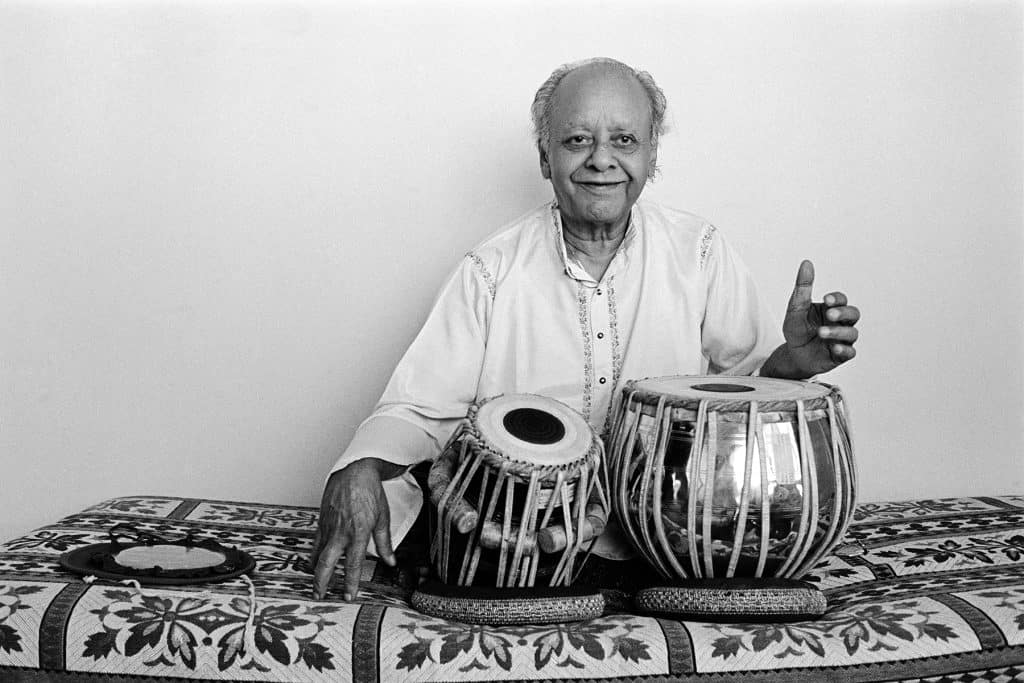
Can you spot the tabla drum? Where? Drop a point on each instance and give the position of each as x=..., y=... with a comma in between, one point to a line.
x=516, y=495
x=719, y=477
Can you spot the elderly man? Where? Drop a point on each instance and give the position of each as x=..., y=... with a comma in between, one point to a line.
x=569, y=301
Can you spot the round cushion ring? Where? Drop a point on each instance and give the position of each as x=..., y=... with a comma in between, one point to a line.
x=735, y=599
x=507, y=606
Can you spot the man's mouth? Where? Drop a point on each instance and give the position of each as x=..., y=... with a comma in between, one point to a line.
x=600, y=187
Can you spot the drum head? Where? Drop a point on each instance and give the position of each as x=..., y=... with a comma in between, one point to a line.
x=696, y=388
x=171, y=563
x=534, y=429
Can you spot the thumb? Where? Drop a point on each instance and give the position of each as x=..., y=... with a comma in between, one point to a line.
x=800, y=299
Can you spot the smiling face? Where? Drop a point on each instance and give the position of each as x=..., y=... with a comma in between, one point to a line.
x=599, y=153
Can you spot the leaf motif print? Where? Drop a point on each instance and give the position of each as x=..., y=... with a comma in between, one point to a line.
x=475, y=664
x=100, y=645
x=181, y=642
x=631, y=649
x=765, y=637
x=272, y=642
x=586, y=642
x=546, y=646
x=808, y=638
x=10, y=641
x=938, y=631
x=454, y=644
x=143, y=634
x=872, y=627
x=494, y=645
x=414, y=654
x=231, y=645
x=853, y=635
x=317, y=656
x=117, y=595
x=172, y=629
x=728, y=646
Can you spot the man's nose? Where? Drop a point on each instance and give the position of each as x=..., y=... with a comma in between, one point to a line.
x=601, y=157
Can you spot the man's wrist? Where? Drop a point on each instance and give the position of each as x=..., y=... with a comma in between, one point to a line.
x=782, y=365
x=385, y=469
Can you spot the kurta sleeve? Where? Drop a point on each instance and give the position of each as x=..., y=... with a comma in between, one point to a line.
x=429, y=392
x=435, y=382
x=739, y=332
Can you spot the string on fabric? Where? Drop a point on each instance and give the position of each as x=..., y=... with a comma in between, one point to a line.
x=248, y=631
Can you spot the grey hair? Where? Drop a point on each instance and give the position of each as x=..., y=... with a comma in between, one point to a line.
x=543, y=101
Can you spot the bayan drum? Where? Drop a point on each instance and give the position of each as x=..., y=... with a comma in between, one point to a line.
x=516, y=494
x=719, y=477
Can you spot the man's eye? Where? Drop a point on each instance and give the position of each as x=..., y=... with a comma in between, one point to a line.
x=626, y=141
x=578, y=141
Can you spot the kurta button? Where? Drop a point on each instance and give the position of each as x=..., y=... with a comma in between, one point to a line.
x=599, y=292
x=602, y=380
x=600, y=335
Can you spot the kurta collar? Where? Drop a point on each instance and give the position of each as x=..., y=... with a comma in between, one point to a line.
x=574, y=268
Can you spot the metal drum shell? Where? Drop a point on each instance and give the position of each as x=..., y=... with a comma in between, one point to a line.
x=796, y=448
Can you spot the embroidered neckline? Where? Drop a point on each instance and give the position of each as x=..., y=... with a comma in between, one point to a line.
x=570, y=264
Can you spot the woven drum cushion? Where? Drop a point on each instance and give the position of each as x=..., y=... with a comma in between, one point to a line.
x=737, y=599
x=497, y=606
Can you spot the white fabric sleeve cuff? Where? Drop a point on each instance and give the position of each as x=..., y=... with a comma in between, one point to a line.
x=405, y=499
x=391, y=439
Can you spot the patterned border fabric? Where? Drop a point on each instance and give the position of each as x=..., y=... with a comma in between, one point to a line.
x=929, y=590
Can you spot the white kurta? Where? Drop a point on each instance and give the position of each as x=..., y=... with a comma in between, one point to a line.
x=519, y=316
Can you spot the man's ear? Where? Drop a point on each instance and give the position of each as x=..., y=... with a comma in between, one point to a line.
x=652, y=166
x=545, y=165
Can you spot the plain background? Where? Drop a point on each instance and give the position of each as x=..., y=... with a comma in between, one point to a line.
x=223, y=223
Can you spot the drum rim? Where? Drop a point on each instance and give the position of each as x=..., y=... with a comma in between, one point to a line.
x=587, y=442
x=818, y=395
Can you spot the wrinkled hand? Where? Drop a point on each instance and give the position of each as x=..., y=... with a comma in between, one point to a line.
x=819, y=337
x=353, y=507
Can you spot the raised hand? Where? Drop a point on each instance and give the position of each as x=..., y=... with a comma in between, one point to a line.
x=353, y=508
x=819, y=336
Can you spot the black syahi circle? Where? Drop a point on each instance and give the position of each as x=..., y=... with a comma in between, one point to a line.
x=534, y=426
x=723, y=388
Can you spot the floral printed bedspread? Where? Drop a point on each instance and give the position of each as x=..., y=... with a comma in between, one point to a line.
x=919, y=590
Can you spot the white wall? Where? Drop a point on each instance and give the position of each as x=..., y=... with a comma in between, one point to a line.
x=222, y=223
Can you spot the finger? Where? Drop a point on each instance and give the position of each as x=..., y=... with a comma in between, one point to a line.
x=314, y=551
x=800, y=299
x=835, y=299
x=847, y=315
x=326, y=523
x=325, y=565
x=839, y=333
x=382, y=536
x=354, y=555
x=841, y=352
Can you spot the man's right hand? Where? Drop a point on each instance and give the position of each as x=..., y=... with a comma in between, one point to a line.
x=353, y=508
